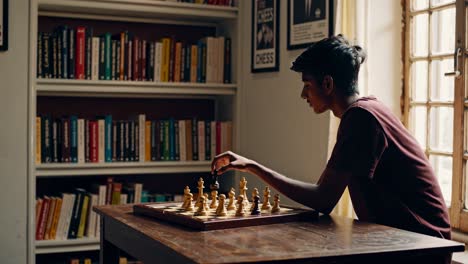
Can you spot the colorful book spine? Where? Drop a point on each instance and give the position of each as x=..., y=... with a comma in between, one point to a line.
x=73, y=138
x=80, y=53
x=108, y=138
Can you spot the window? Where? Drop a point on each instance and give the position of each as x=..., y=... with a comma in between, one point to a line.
x=435, y=94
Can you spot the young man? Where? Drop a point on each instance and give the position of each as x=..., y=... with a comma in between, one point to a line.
x=389, y=177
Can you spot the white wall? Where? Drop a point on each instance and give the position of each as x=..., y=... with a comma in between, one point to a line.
x=13, y=136
x=278, y=128
x=384, y=52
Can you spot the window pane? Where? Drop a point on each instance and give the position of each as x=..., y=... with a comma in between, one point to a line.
x=419, y=81
x=442, y=87
x=443, y=171
x=443, y=31
x=418, y=124
x=441, y=128
x=419, y=36
x=441, y=2
x=419, y=4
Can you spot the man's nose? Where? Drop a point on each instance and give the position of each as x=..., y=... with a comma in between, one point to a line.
x=303, y=95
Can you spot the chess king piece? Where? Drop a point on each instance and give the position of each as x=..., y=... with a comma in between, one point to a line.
x=254, y=193
x=200, y=190
x=266, y=199
x=202, y=208
x=231, y=205
x=214, y=199
x=243, y=191
x=276, y=207
x=186, y=193
x=221, y=210
x=240, y=206
x=255, y=209
x=189, y=206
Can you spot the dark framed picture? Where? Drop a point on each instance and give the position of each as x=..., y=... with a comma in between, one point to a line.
x=265, y=36
x=308, y=21
x=3, y=25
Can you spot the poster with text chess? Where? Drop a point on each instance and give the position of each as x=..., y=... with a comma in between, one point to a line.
x=308, y=21
x=265, y=55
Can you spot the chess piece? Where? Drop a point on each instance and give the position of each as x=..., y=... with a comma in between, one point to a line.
x=255, y=209
x=200, y=190
x=231, y=205
x=214, y=186
x=214, y=199
x=243, y=191
x=189, y=206
x=276, y=207
x=186, y=193
x=221, y=210
x=240, y=206
x=202, y=208
x=254, y=193
x=266, y=199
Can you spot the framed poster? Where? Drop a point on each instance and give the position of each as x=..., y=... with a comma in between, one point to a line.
x=3, y=25
x=308, y=21
x=265, y=34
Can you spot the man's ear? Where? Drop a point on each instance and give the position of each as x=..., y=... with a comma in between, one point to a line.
x=328, y=85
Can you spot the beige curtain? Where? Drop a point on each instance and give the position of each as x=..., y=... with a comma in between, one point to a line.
x=351, y=21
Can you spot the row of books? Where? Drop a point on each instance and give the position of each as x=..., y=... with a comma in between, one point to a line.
x=70, y=215
x=78, y=140
x=75, y=53
x=209, y=2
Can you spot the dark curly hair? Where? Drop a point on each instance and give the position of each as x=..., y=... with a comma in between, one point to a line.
x=333, y=56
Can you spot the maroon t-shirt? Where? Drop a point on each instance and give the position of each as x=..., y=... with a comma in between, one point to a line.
x=392, y=182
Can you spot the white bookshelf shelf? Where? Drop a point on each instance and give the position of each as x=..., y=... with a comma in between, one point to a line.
x=112, y=168
x=149, y=9
x=59, y=87
x=72, y=245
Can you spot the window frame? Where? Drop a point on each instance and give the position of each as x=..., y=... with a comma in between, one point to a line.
x=458, y=214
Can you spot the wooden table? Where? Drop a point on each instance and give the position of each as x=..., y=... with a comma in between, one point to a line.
x=328, y=240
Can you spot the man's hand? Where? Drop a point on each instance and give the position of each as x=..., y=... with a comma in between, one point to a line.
x=230, y=161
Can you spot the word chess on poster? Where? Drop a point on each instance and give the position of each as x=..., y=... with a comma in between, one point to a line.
x=265, y=20
x=309, y=21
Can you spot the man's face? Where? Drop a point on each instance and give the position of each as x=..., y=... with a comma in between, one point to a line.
x=314, y=94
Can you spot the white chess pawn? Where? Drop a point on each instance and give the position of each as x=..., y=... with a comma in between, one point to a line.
x=214, y=199
x=202, y=208
x=254, y=193
x=276, y=207
x=231, y=205
x=189, y=206
x=240, y=203
x=221, y=210
x=266, y=199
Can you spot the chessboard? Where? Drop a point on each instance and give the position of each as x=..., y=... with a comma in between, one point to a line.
x=174, y=213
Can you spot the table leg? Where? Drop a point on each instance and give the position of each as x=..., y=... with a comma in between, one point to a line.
x=109, y=253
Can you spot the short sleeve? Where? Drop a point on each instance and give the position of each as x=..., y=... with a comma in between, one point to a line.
x=360, y=144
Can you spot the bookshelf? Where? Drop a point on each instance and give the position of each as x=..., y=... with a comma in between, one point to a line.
x=219, y=101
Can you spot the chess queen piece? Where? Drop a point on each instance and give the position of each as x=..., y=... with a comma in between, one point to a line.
x=243, y=191
x=254, y=193
x=214, y=199
x=276, y=207
x=231, y=205
x=189, y=206
x=202, y=208
x=221, y=210
x=240, y=206
x=266, y=199
x=200, y=191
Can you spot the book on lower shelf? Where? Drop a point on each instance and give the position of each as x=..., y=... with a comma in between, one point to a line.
x=69, y=215
x=72, y=139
